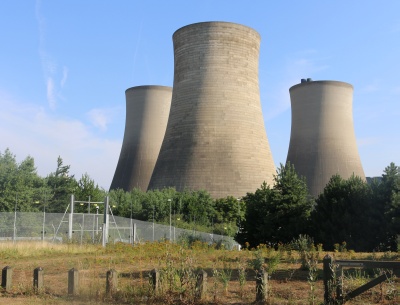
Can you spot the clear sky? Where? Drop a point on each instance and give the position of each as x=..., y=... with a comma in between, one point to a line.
x=65, y=66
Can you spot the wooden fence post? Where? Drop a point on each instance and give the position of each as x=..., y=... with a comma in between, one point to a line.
x=261, y=286
x=38, y=279
x=155, y=280
x=6, y=278
x=201, y=285
x=329, y=278
x=112, y=282
x=339, y=281
x=73, y=281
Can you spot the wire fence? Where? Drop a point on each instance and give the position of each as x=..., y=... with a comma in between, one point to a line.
x=87, y=228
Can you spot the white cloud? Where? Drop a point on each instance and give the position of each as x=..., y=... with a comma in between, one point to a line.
x=29, y=130
x=100, y=118
x=51, y=98
x=49, y=65
x=64, y=77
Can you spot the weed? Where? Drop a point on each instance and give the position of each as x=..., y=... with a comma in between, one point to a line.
x=241, y=266
x=312, y=266
x=273, y=262
x=305, y=245
x=391, y=292
x=215, y=286
x=225, y=275
x=258, y=261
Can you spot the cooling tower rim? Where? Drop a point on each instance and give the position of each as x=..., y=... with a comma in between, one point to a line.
x=146, y=87
x=322, y=82
x=215, y=22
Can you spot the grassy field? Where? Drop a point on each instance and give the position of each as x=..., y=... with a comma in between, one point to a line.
x=231, y=274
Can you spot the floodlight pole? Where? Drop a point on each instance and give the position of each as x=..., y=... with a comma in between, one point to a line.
x=71, y=216
x=170, y=221
x=105, y=221
x=15, y=218
x=153, y=221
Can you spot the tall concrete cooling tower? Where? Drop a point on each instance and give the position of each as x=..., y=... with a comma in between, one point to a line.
x=322, y=139
x=215, y=138
x=147, y=110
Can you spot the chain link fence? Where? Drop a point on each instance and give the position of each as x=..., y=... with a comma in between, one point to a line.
x=88, y=228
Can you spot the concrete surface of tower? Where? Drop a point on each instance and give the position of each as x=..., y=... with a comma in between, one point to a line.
x=215, y=138
x=147, y=110
x=322, y=139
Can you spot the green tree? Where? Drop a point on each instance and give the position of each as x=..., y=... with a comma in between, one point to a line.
x=62, y=186
x=197, y=207
x=292, y=204
x=229, y=213
x=387, y=200
x=128, y=203
x=277, y=214
x=345, y=213
x=87, y=190
x=20, y=185
x=256, y=227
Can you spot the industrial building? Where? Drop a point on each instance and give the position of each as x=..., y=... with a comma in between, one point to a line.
x=322, y=138
x=147, y=111
x=215, y=138
x=208, y=133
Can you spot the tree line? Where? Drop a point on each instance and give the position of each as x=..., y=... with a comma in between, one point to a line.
x=364, y=216
x=23, y=190
x=350, y=212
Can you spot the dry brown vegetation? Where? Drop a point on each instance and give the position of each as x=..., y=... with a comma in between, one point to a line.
x=227, y=284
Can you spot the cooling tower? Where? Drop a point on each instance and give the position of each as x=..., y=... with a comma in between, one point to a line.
x=215, y=138
x=147, y=110
x=322, y=139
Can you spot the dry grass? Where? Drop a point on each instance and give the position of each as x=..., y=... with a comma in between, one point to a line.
x=288, y=284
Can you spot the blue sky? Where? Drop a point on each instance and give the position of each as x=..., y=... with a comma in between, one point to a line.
x=65, y=66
